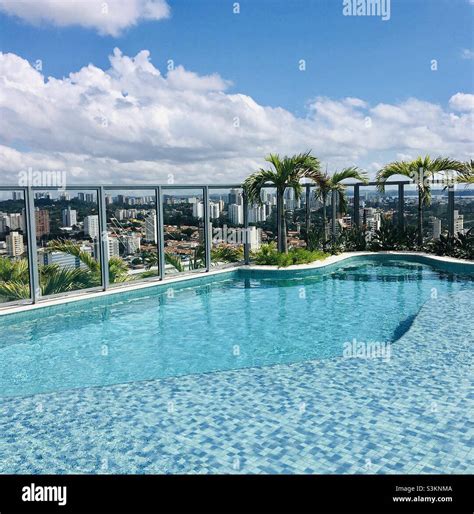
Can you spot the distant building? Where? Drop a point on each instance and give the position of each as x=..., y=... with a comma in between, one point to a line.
x=91, y=226
x=435, y=227
x=236, y=214
x=214, y=210
x=198, y=210
x=458, y=222
x=62, y=259
x=151, y=228
x=235, y=197
x=254, y=237
x=69, y=217
x=257, y=214
x=131, y=244
x=16, y=221
x=3, y=223
x=113, y=247
x=42, y=222
x=15, y=246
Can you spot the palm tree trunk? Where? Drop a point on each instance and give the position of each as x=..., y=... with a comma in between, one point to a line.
x=279, y=213
x=420, y=216
x=282, y=239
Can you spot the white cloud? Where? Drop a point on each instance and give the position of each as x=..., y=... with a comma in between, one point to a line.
x=132, y=123
x=108, y=17
x=467, y=54
x=462, y=102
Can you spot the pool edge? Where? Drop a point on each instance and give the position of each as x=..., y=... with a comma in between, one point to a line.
x=446, y=263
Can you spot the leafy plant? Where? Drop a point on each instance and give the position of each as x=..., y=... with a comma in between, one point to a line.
x=269, y=255
x=458, y=245
x=226, y=253
x=353, y=239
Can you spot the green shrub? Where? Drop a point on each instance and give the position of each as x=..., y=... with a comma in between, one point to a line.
x=268, y=255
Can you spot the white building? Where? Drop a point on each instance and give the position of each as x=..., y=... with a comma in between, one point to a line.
x=257, y=214
x=151, y=228
x=254, y=237
x=214, y=210
x=62, y=259
x=15, y=246
x=113, y=247
x=198, y=210
x=236, y=214
x=16, y=221
x=458, y=222
x=132, y=244
x=91, y=226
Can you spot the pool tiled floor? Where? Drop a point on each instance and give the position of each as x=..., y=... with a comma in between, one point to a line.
x=412, y=414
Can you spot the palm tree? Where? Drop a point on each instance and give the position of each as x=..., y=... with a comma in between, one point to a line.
x=326, y=184
x=421, y=170
x=286, y=173
x=466, y=175
x=14, y=279
x=14, y=276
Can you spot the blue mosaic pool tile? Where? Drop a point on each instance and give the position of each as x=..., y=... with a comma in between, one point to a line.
x=408, y=415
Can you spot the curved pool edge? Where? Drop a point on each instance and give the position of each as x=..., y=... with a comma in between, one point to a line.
x=449, y=264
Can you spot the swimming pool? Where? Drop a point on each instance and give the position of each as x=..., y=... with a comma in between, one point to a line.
x=242, y=319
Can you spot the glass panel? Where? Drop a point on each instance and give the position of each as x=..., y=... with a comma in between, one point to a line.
x=227, y=226
x=132, y=235
x=14, y=274
x=435, y=215
x=295, y=218
x=463, y=208
x=410, y=205
x=183, y=216
x=263, y=227
x=376, y=207
x=67, y=237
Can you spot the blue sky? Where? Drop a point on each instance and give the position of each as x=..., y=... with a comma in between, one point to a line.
x=259, y=49
x=386, y=65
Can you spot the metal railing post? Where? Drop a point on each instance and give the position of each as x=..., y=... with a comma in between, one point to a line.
x=334, y=214
x=245, y=207
x=451, y=210
x=160, y=233
x=357, y=205
x=401, y=206
x=207, y=227
x=308, y=211
x=35, y=289
x=103, y=239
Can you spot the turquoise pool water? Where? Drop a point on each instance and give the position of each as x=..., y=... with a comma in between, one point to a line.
x=236, y=321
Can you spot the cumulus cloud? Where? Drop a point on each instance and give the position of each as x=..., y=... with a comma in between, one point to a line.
x=131, y=123
x=467, y=54
x=108, y=17
x=462, y=102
